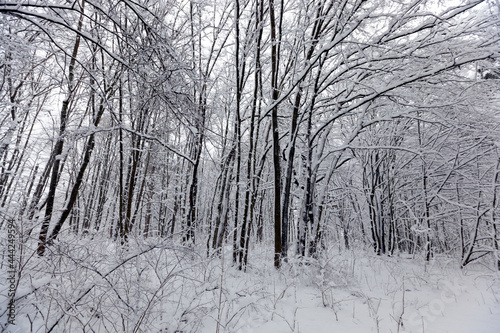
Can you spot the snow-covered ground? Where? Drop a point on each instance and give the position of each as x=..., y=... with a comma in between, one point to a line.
x=97, y=287
x=362, y=292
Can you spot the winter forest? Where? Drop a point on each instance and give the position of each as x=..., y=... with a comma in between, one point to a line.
x=250, y=166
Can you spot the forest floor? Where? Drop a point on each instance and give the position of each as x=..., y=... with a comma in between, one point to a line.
x=93, y=285
x=357, y=291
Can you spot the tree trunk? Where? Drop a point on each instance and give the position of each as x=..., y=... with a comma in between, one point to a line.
x=250, y=188
x=276, y=144
x=237, y=130
x=493, y=208
x=58, y=148
x=89, y=148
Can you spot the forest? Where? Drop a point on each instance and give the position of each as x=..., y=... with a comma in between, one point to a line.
x=153, y=152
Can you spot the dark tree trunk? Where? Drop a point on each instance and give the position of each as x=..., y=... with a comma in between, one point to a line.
x=250, y=187
x=237, y=129
x=89, y=148
x=58, y=148
x=275, y=135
